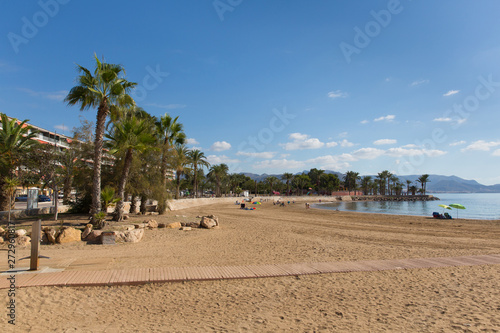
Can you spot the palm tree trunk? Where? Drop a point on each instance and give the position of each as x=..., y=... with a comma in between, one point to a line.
x=195, y=181
x=121, y=187
x=102, y=113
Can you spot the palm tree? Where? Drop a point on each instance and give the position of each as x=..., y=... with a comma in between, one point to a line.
x=180, y=160
x=15, y=138
x=301, y=181
x=394, y=179
x=366, y=184
x=350, y=180
x=383, y=177
x=103, y=89
x=170, y=134
x=408, y=183
x=197, y=158
x=288, y=177
x=218, y=171
x=127, y=136
x=423, y=180
x=271, y=181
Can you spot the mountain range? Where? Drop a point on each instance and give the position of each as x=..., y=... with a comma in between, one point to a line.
x=436, y=184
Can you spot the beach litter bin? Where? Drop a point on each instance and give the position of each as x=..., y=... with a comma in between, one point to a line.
x=108, y=238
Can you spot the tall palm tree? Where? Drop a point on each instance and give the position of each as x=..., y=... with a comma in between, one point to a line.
x=102, y=89
x=366, y=184
x=271, y=181
x=218, y=171
x=15, y=138
x=408, y=183
x=127, y=136
x=288, y=177
x=423, y=180
x=197, y=159
x=179, y=162
x=170, y=133
x=350, y=180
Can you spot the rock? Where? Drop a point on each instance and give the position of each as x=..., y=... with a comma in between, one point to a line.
x=120, y=236
x=140, y=226
x=108, y=238
x=1, y=239
x=94, y=237
x=208, y=223
x=48, y=236
x=192, y=224
x=23, y=241
x=87, y=231
x=161, y=225
x=175, y=225
x=2, y=231
x=186, y=228
x=128, y=227
x=126, y=217
x=69, y=235
x=20, y=232
x=151, y=224
x=133, y=236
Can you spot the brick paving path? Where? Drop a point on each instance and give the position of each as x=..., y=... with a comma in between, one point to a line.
x=137, y=276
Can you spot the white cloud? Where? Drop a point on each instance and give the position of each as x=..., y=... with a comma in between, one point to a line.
x=53, y=95
x=331, y=144
x=418, y=82
x=443, y=119
x=264, y=154
x=344, y=143
x=496, y=152
x=389, y=117
x=331, y=162
x=451, y=92
x=457, y=143
x=62, y=127
x=410, y=145
x=384, y=142
x=191, y=141
x=367, y=153
x=343, y=135
x=220, y=146
x=337, y=94
x=400, y=152
x=302, y=141
x=365, y=121
x=279, y=164
x=481, y=145
x=214, y=159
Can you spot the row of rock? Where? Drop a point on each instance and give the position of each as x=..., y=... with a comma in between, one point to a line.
x=129, y=234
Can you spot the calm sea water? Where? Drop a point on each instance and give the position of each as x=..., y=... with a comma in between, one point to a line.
x=483, y=206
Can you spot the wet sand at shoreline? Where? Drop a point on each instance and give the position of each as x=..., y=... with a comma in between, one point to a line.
x=438, y=299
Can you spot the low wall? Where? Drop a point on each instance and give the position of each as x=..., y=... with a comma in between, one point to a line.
x=20, y=213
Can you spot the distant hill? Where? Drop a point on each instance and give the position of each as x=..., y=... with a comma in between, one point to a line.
x=437, y=184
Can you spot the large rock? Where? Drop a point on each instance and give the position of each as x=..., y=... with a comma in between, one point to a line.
x=23, y=241
x=20, y=232
x=209, y=222
x=174, y=225
x=151, y=224
x=49, y=236
x=86, y=231
x=2, y=231
x=1, y=240
x=191, y=224
x=69, y=235
x=94, y=237
x=130, y=236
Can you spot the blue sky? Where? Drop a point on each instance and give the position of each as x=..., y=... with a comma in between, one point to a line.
x=279, y=86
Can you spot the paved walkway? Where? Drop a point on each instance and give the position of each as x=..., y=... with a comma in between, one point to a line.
x=174, y=274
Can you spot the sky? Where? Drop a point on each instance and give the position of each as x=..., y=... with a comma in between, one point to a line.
x=273, y=86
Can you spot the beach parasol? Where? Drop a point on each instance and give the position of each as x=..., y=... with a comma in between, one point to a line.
x=444, y=207
x=457, y=206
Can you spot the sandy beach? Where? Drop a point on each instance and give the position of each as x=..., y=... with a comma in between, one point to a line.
x=461, y=299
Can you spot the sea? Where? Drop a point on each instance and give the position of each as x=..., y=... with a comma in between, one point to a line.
x=479, y=206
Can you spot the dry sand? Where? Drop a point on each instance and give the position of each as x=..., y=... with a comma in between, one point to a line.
x=461, y=299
